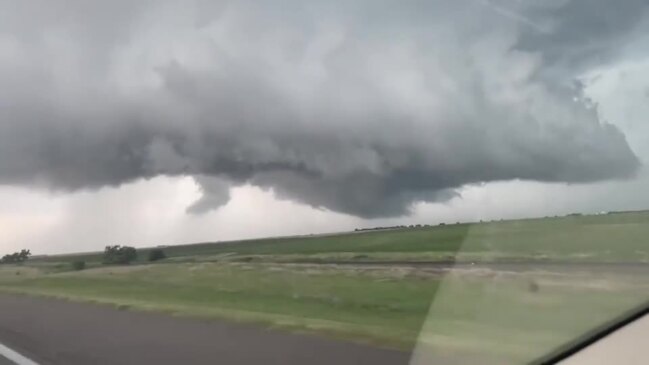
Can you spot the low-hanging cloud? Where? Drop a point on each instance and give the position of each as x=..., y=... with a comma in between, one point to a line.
x=359, y=107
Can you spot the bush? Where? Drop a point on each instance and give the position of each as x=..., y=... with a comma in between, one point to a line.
x=78, y=265
x=119, y=255
x=157, y=254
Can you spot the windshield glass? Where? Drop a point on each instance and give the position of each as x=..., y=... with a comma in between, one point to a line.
x=377, y=181
x=522, y=290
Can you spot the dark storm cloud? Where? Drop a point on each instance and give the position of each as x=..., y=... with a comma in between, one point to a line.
x=584, y=33
x=359, y=107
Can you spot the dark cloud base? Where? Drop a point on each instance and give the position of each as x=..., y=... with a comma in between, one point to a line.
x=323, y=106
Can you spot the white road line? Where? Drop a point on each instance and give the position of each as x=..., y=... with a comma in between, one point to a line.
x=14, y=356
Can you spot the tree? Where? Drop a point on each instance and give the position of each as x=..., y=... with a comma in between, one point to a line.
x=119, y=255
x=16, y=257
x=157, y=254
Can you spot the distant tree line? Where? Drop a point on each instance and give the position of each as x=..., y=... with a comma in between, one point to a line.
x=119, y=255
x=379, y=228
x=124, y=255
x=16, y=257
x=392, y=227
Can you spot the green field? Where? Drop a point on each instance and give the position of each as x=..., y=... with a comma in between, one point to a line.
x=497, y=314
x=605, y=238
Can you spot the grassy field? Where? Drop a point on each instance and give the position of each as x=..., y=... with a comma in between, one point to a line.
x=605, y=238
x=485, y=314
x=473, y=313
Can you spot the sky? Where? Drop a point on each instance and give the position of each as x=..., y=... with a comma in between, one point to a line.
x=169, y=122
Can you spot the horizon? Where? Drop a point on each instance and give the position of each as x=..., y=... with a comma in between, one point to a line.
x=358, y=230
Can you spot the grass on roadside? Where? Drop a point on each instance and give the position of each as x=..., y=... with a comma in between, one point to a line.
x=473, y=311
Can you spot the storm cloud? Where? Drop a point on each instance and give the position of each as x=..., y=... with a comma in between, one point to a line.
x=360, y=107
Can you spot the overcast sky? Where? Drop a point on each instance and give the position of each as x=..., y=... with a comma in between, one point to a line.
x=164, y=122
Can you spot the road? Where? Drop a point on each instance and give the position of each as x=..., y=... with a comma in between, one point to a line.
x=53, y=332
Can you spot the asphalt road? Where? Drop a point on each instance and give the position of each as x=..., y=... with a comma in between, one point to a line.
x=53, y=332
